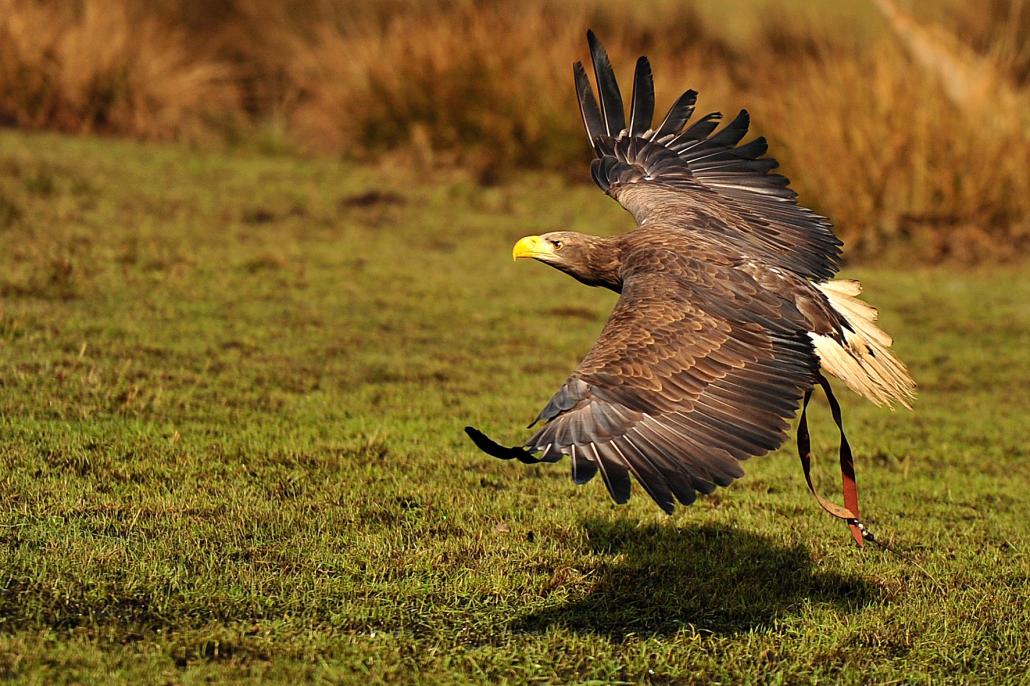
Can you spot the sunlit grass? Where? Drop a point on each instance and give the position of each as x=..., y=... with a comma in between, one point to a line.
x=231, y=399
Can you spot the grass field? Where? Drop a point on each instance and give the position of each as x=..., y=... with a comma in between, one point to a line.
x=232, y=389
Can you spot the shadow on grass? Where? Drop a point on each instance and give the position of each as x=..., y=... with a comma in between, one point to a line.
x=712, y=578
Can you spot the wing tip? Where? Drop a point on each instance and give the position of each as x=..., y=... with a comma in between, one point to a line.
x=613, y=114
x=495, y=449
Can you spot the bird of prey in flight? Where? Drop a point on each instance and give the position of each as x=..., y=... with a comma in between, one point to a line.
x=727, y=317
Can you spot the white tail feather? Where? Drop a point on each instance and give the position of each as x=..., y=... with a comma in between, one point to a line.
x=863, y=361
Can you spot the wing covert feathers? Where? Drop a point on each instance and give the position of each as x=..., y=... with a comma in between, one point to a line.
x=697, y=369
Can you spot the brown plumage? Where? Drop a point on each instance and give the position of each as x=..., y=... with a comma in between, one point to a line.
x=726, y=313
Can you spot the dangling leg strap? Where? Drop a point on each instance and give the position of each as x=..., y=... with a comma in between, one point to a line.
x=849, y=513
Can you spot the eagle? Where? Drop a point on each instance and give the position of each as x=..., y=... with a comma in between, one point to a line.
x=727, y=315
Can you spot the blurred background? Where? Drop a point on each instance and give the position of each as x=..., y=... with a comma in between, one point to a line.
x=906, y=122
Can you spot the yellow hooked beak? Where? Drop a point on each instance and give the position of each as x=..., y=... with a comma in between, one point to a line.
x=532, y=246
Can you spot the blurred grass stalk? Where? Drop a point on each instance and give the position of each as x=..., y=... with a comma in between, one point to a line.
x=869, y=133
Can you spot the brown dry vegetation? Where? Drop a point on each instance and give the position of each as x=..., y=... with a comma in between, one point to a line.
x=869, y=137
x=100, y=67
x=997, y=28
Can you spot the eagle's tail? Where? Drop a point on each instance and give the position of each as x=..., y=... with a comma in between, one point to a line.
x=864, y=361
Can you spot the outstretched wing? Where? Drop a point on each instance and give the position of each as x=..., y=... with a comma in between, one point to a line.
x=697, y=368
x=697, y=177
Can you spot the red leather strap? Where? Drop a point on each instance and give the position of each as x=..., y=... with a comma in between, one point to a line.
x=849, y=513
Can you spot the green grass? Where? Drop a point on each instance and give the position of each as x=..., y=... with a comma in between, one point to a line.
x=231, y=397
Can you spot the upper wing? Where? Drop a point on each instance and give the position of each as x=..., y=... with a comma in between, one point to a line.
x=696, y=177
x=697, y=368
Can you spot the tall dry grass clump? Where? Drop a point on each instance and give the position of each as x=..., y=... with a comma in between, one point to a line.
x=880, y=146
x=94, y=66
x=481, y=95
x=485, y=85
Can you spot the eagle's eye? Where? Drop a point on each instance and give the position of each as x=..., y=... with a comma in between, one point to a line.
x=556, y=244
